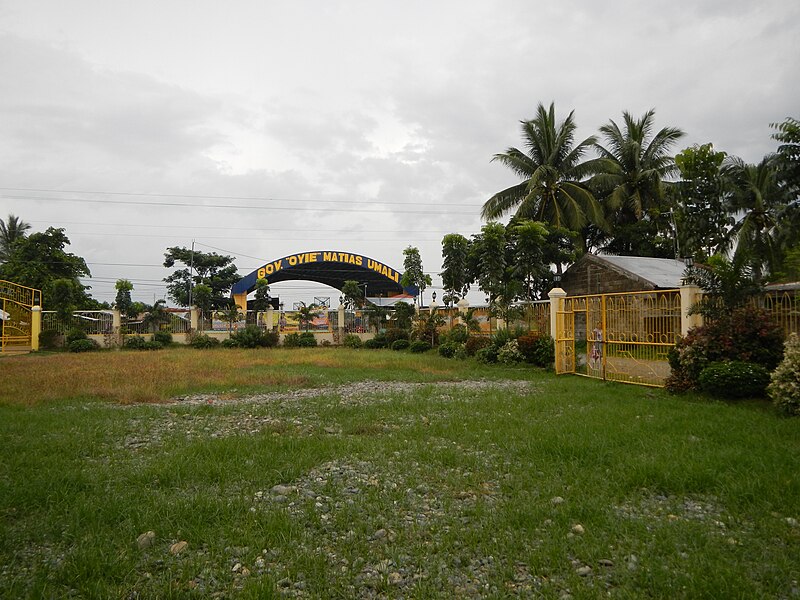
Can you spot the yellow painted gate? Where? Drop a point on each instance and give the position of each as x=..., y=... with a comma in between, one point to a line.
x=16, y=320
x=618, y=337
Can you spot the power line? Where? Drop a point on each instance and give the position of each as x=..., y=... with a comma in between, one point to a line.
x=211, y=197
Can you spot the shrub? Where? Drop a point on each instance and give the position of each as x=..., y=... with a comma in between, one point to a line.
x=325, y=343
x=448, y=349
x=461, y=353
x=537, y=348
x=457, y=335
x=396, y=333
x=163, y=337
x=352, y=341
x=49, y=339
x=307, y=340
x=135, y=342
x=475, y=343
x=746, y=334
x=83, y=345
x=734, y=379
x=76, y=333
x=784, y=389
x=509, y=354
x=419, y=346
x=253, y=336
x=502, y=337
x=486, y=355
x=400, y=344
x=291, y=340
x=375, y=344
x=204, y=341
x=229, y=343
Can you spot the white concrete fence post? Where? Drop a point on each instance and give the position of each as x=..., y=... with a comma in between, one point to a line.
x=116, y=326
x=36, y=327
x=556, y=296
x=690, y=295
x=270, y=318
x=340, y=318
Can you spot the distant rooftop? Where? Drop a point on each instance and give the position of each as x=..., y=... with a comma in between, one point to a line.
x=665, y=273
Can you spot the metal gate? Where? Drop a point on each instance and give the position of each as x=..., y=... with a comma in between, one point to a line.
x=16, y=304
x=618, y=337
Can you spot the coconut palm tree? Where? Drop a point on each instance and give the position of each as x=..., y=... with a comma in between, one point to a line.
x=631, y=170
x=759, y=198
x=552, y=170
x=10, y=231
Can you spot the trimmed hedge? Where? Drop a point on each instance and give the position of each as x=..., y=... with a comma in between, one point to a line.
x=734, y=379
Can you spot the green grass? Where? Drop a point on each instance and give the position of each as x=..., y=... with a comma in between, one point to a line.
x=685, y=498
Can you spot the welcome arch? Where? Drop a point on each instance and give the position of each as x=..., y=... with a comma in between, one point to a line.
x=329, y=267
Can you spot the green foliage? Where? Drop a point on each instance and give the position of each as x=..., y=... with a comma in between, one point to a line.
x=352, y=341
x=426, y=327
x=11, y=230
x=300, y=340
x=375, y=344
x=734, y=379
x=123, y=302
x=475, y=343
x=393, y=334
x=503, y=336
x=203, y=341
x=39, y=261
x=537, y=349
x=413, y=275
x=458, y=334
x=552, y=170
x=291, y=340
x=307, y=340
x=784, y=388
x=253, y=336
x=449, y=349
x=400, y=344
x=261, y=300
x=487, y=355
x=138, y=342
x=49, y=339
x=747, y=334
x=75, y=333
x=788, y=155
x=419, y=346
x=207, y=268
x=726, y=285
x=84, y=345
x=229, y=343
x=163, y=337
x=456, y=277
x=509, y=354
x=403, y=315
x=306, y=314
x=353, y=294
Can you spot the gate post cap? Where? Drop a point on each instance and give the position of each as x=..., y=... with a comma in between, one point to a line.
x=556, y=293
x=36, y=308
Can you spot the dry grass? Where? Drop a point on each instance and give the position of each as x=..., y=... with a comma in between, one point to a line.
x=131, y=377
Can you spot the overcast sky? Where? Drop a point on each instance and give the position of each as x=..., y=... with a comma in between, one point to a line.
x=259, y=129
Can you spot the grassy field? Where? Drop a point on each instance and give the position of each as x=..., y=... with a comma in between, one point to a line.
x=363, y=474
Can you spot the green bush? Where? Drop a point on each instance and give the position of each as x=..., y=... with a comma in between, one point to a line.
x=291, y=340
x=734, y=379
x=203, y=341
x=509, y=354
x=784, y=389
x=475, y=343
x=76, y=333
x=486, y=355
x=83, y=345
x=449, y=349
x=49, y=339
x=375, y=344
x=419, y=346
x=325, y=343
x=229, y=343
x=400, y=344
x=747, y=334
x=457, y=335
x=163, y=337
x=253, y=336
x=307, y=340
x=537, y=349
x=352, y=341
x=502, y=337
x=135, y=342
x=396, y=333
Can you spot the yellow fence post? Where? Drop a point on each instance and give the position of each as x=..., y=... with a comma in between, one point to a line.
x=690, y=295
x=36, y=327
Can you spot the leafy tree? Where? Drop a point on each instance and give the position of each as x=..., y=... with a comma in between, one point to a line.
x=306, y=314
x=202, y=298
x=413, y=275
x=123, y=302
x=156, y=316
x=631, y=173
x=403, y=315
x=353, y=294
x=211, y=269
x=456, y=277
x=727, y=284
x=39, y=260
x=493, y=259
x=11, y=230
x=376, y=315
x=788, y=155
x=262, y=297
x=529, y=239
x=758, y=196
x=702, y=216
x=65, y=294
x=552, y=171
x=230, y=315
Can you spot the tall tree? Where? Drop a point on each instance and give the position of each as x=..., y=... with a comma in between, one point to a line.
x=413, y=275
x=123, y=302
x=702, y=214
x=456, y=277
x=214, y=270
x=353, y=294
x=758, y=196
x=631, y=172
x=40, y=259
x=262, y=298
x=493, y=262
x=11, y=230
x=306, y=314
x=552, y=170
x=529, y=239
